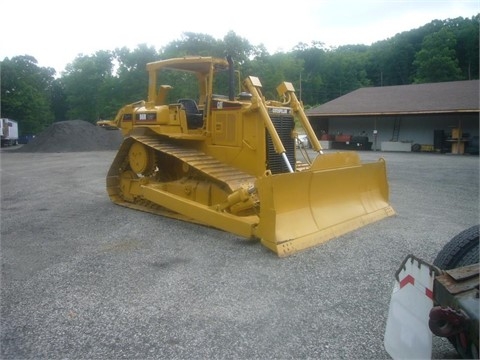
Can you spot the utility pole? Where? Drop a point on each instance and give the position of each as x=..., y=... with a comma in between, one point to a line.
x=300, y=90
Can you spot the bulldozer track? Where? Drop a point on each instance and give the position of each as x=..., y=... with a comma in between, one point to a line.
x=225, y=176
x=205, y=164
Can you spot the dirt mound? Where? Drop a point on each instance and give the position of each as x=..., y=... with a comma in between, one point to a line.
x=73, y=136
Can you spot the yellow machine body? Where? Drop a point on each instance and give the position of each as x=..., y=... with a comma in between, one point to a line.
x=230, y=162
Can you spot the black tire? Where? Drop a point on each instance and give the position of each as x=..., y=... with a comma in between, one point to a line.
x=461, y=250
x=416, y=147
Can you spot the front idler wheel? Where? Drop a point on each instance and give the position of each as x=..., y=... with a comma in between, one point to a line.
x=141, y=159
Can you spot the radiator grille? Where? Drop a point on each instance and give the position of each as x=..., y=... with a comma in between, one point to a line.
x=275, y=163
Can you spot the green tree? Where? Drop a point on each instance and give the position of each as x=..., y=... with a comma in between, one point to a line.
x=311, y=85
x=193, y=44
x=59, y=103
x=345, y=70
x=398, y=63
x=437, y=60
x=273, y=70
x=85, y=81
x=26, y=92
x=239, y=48
x=467, y=49
x=96, y=86
x=130, y=81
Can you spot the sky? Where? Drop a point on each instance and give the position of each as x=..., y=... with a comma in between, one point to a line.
x=55, y=32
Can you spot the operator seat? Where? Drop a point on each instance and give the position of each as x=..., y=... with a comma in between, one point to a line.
x=194, y=115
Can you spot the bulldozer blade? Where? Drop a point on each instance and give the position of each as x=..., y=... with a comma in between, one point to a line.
x=338, y=194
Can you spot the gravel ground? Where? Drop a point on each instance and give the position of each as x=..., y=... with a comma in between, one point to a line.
x=83, y=278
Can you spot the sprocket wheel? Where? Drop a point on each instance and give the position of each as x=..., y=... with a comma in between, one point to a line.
x=141, y=159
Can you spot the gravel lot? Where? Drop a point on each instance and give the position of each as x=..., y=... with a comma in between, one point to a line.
x=83, y=278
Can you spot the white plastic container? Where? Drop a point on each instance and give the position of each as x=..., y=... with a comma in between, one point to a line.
x=407, y=335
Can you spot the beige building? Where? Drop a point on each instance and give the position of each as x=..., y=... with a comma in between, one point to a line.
x=440, y=117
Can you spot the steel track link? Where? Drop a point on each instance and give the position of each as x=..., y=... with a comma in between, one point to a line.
x=205, y=164
x=224, y=175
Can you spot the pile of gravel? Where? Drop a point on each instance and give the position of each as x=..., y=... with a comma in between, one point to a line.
x=73, y=136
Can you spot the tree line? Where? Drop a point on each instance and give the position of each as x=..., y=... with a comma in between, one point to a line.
x=96, y=86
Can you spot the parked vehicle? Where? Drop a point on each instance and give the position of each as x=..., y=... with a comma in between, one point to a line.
x=8, y=132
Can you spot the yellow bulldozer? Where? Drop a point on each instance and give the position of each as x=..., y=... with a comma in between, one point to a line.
x=227, y=158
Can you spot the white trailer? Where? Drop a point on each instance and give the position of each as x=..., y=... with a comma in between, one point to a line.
x=8, y=132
